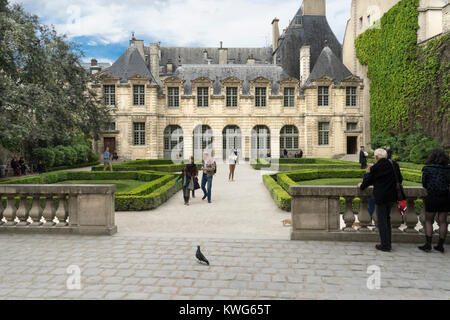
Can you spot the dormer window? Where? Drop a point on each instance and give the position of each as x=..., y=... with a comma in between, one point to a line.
x=109, y=94
x=299, y=20
x=323, y=96
x=260, y=97
x=139, y=95
x=203, y=97
x=173, y=97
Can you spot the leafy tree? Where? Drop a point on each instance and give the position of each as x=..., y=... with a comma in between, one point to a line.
x=45, y=99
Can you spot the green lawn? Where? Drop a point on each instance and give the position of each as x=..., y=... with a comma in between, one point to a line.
x=121, y=185
x=344, y=182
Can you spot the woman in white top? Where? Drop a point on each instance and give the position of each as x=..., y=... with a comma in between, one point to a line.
x=232, y=160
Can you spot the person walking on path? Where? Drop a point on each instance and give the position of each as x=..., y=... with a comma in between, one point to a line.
x=107, y=160
x=436, y=180
x=187, y=183
x=383, y=178
x=209, y=169
x=193, y=172
x=363, y=158
x=232, y=160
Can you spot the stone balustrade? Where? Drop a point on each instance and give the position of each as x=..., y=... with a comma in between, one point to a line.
x=316, y=215
x=80, y=209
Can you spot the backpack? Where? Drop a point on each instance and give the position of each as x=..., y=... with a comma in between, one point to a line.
x=215, y=167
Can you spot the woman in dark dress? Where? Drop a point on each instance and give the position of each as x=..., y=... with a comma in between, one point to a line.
x=193, y=172
x=436, y=180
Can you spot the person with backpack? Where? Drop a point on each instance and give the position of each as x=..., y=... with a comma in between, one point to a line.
x=436, y=180
x=209, y=170
x=187, y=183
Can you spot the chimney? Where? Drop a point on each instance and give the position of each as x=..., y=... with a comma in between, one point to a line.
x=275, y=34
x=305, y=61
x=94, y=62
x=169, y=66
x=251, y=60
x=155, y=60
x=139, y=44
x=223, y=54
x=314, y=7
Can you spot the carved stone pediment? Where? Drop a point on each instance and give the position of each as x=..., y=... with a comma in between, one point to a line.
x=173, y=80
x=232, y=81
x=260, y=80
x=289, y=81
x=203, y=81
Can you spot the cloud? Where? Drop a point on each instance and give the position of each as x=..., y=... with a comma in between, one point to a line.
x=239, y=23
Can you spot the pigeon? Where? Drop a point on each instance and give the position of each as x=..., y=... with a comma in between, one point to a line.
x=199, y=255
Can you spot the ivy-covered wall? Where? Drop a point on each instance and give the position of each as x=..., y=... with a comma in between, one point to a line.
x=410, y=84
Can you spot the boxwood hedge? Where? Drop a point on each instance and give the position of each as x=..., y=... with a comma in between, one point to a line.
x=158, y=189
x=278, y=194
x=141, y=165
x=290, y=164
x=286, y=179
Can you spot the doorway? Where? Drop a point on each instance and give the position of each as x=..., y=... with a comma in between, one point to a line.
x=109, y=143
x=352, y=145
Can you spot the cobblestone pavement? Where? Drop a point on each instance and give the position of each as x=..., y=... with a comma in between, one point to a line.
x=162, y=266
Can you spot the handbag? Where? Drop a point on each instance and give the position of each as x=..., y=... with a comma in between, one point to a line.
x=402, y=204
x=196, y=184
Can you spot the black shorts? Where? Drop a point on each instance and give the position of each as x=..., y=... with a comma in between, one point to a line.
x=439, y=203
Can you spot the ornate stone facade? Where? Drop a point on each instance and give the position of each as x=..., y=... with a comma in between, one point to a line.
x=216, y=99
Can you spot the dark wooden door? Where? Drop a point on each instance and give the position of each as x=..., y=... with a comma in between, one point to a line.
x=111, y=143
x=352, y=145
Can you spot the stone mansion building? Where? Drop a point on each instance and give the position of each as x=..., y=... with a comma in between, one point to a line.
x=174, y=102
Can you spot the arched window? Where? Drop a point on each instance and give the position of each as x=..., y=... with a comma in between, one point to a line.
x=289, y=140
x=232, y=138
x=203, y=141
x=173, y=143
x=260, y=142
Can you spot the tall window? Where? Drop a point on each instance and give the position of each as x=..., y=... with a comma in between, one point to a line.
x=352, y=126
x=324, y=133
x=109, y=94
x=173, y=97
x=260, y=96
x=289, y=139
x=289, y=96
x=110, y=127
x=139, y=95
x=232, y=98
x=139, y=133
x=350, y=100
x=202, y=97
x=323, y=96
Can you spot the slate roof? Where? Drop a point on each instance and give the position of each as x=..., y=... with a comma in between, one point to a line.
x=130, y=64
x=315, y=32
x=329, y=65
x=196, y=55
x=217, y=73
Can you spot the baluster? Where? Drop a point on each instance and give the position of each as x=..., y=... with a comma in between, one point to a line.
x=22, y=212
x=364, y=216
x=10, y=211
x=49, y=212
x=62, y=213
x=36, y=211
x=411, y=217
x=1, y=211
x=396, y=219
x=349, y=216
x=422, y=221
x=436, y=219
x=375, y=219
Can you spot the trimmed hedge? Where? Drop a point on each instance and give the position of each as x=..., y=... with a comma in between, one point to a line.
x=158, y=189
x=286, y=179
x=161, y=168
x=291, y=164
x=281, y=197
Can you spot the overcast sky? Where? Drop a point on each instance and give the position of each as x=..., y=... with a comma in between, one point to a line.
x=103, y=27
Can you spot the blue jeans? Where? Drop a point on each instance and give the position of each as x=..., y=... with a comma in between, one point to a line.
x=205, y=181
